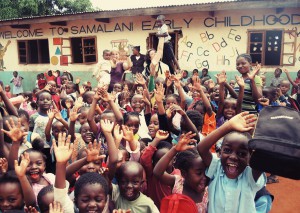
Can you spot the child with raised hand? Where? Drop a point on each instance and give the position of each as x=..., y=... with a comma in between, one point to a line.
x=63, y=151
x=295, y=83
x=233, y=184
x=37, y=165
x=253, y=83
x=192, y=181
x=101, y=93
x=157, y=189
x=11, y=110
x=209, y=123
x=27, y=189
x=228, y=107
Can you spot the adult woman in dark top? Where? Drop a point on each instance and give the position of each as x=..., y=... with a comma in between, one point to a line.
x=117, y=69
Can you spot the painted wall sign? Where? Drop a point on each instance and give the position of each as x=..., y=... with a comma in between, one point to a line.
x=150, y=25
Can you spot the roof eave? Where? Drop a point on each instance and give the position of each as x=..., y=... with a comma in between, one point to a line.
x=156, y=11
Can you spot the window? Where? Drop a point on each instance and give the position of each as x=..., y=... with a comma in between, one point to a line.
x=84, y=50
x=33, y=51
x=272, y=47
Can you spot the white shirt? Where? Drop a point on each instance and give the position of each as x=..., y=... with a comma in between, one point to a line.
x=164, y=29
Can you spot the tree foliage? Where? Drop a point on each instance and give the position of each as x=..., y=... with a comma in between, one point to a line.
x=25, y=8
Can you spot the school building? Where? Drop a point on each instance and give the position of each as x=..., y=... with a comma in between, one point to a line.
x=209, y=34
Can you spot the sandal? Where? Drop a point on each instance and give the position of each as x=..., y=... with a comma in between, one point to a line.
x=272, y=179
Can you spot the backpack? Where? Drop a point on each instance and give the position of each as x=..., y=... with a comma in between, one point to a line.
x=177, y=203
x=276, y=142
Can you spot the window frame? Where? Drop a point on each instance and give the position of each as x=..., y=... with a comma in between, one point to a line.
x=264, y=31
x=26, y=50
x=82, y=48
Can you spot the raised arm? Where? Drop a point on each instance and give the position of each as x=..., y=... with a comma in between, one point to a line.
x=16, y=135
x=242, y=122
x=159, y=53
x=290, y=78
x=91, y=113
x=114, y=107
x=221, y=79
x=29, y=196
x=205, y=100
x=9, y=106
x=4, y=150
x=162, y=165
x=73, y=117
x=50, y=114
x=159, y=96
x=107, y=128
x=256, y=90
x=241, y=83
x=178, y=85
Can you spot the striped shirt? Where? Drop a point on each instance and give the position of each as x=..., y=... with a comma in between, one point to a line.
x=248, y=103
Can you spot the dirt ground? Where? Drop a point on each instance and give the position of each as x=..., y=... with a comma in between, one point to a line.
x=287, y=194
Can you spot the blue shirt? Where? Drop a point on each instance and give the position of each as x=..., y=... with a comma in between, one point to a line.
x=232, y=195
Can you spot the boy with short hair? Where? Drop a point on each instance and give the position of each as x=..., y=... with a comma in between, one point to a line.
x=168, y=53
x=275, y=82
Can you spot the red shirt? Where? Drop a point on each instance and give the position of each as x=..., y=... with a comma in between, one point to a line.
x=156, y=190
x=42, y=83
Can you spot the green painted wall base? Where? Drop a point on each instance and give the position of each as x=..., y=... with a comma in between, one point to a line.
x=30, y=77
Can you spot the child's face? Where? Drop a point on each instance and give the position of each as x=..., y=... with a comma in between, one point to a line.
x=232, y=83
x=52, y=87
x=93, y=166
x=130, y=183
x=24, y=123
x=139, y=90
x=64, y=79
x=184, y=74
x=137, y=103
x=36, y=167
x=7, y=88
x=45, y=201
x=10, y=197
x=196, y=94
x=204, y=72
x=200, y=109
x=123, y=156
x=58, y=128
x=82, y=118
x=45, y=101
x=86, y=133
x=216, y=93
x=153, y=126
x=92, y=198
x=117, y=88
x=195, y=176
x=284, y=87
x=134, y=123
x=270, y=94
x=229, y=108
x=69, y=89
x=170, y=101
x=159, y=22
x=106, y=55
x=234, y=155
x=15, y=74
x=159, y=154
x=242, y=65
x=277, y=73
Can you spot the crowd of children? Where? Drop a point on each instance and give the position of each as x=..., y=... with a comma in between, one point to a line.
x=127, y=145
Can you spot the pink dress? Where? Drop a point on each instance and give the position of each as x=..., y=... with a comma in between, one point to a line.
x=49, y=177
x=178, y=188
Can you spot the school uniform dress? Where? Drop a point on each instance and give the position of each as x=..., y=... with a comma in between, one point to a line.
x=137, y=63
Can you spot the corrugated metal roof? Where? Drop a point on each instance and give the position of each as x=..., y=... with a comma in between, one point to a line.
x=142, y=4
x=147, y=6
